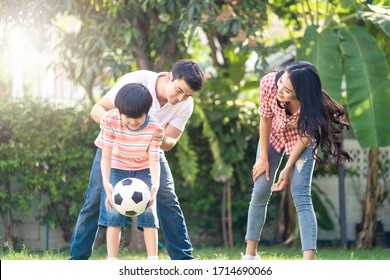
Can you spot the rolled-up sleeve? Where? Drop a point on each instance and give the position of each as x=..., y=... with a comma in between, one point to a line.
x=267, y=88
x=106, y=137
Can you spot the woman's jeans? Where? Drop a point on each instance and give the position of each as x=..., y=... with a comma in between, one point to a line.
x=301, y=192
x=172, y=222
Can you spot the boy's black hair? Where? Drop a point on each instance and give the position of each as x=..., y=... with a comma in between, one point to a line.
x=190, y=72
x=133, y=100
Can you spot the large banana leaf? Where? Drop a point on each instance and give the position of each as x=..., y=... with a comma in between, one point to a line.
x=368, y=87
x=322, y=50
x=379, y=16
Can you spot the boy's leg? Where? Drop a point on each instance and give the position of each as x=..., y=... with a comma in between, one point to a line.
x=171, y=217
x=113, y=240
x=86, y=228
x=151, y=241
x=111, y=218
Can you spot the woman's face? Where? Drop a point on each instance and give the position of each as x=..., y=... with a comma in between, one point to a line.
x=286, y=91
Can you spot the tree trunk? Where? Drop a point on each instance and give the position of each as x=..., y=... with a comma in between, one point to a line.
x=366, y=237
x=229, y=211
x=135, y=237
x=7, y=218
x=223, y=217
x=286, y=222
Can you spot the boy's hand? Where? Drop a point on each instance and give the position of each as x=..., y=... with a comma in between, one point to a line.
x=158, y=135
x=153, y=194
x=109, y=189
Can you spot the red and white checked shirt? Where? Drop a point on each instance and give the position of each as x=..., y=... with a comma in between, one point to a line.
x=284, y=130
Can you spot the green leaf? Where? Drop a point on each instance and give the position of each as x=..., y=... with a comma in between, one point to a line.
x=379, y=16
x=323, y=217
x=79, y=68
x=368, y=90
x=188, y=159
x=322, y=50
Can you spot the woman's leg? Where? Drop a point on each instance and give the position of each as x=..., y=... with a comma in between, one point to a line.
x=301, y=193
x=261, y=194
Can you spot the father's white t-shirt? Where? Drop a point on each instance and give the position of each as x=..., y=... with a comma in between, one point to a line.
x=176, y=115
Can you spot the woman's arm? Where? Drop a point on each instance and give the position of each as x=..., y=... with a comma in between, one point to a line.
x=284, y=176
x=262, y=164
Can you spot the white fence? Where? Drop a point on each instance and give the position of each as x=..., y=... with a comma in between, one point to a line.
x=37, y=236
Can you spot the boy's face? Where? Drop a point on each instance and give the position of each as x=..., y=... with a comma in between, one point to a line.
x=133, y=123
x=177, y=91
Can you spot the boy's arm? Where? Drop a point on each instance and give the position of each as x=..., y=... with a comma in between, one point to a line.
x=154, y=166
x=105, y=166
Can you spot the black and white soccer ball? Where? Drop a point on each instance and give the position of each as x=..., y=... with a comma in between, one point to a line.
x=131, y=197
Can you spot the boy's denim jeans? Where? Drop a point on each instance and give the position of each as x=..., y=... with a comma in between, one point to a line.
x=172, y=222
x=301, y=192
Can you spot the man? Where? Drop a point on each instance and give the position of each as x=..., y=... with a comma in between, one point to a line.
x=172, y=107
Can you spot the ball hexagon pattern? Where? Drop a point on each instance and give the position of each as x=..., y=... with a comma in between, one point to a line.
x=131, y=197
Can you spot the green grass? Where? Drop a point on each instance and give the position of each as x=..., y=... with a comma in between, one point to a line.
x=209, y=253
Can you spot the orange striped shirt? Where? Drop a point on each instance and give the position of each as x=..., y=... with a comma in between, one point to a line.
x=131, y=150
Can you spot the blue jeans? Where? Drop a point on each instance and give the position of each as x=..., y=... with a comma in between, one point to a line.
x=172, y=222
x=111, y=217
x=302, y=174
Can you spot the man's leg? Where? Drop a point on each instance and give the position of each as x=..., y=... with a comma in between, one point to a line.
x=171, y=217
x=86, y=227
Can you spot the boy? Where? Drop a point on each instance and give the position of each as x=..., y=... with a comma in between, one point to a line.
x=128, y=150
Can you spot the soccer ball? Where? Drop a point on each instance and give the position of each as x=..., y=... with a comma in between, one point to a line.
x=131, y=197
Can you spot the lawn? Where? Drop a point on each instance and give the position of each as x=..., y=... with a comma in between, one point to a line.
x=209, y=253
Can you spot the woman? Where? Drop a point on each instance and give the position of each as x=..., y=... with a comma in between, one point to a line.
x=297, y=116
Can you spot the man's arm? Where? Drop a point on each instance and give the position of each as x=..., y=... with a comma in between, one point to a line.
x=171, y=136
x=100, y=108
x=171, y=133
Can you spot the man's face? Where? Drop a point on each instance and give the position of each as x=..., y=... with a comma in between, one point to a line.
x=177, y=91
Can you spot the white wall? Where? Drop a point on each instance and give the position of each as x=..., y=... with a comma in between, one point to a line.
x=354, y=192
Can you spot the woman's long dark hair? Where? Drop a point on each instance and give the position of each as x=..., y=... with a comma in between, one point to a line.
x=320, y=116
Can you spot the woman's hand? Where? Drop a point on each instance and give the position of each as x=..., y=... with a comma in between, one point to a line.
x=284, y=180
x=259, y=168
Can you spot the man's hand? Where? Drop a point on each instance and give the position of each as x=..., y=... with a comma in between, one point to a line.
x=158, y=135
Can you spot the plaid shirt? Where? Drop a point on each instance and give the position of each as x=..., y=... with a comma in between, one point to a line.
x=284, y=132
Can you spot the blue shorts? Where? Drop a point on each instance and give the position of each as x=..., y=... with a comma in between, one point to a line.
x=112, y=217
